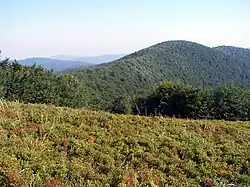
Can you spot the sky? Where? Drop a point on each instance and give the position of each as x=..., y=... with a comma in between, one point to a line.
x=43, y=28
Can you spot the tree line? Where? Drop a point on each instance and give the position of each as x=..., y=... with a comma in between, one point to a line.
x=34, y=84
x=176, y=99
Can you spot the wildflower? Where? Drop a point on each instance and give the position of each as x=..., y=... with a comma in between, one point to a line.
x=206, y=183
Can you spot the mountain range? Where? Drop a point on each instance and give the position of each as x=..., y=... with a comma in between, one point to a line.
x=69, y=63
x=90, y=59
x=56, y=65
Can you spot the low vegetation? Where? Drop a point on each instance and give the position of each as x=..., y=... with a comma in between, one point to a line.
x=43, y=145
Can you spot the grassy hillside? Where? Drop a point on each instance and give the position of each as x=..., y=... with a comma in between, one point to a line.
x=138, y=73
x=44, y=145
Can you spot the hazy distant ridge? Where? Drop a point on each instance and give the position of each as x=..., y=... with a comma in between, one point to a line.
x=90, y=59
x=64, y=62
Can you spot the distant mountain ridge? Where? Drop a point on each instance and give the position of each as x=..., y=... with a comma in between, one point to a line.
x=56, y=65
x=91, y=59
x=69, y=63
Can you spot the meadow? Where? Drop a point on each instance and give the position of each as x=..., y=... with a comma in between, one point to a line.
x=44, y=145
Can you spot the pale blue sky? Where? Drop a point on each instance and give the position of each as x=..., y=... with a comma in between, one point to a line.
x=95, y=27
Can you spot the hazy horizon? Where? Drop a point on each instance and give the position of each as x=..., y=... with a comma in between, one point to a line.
x=83, y=28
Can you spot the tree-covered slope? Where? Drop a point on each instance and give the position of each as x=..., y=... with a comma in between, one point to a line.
x=139, y=72
x=42, y=145
x=241, y=54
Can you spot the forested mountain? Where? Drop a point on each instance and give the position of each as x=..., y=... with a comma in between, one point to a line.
x=56, y=65
x=138, y=73
x=242, y=54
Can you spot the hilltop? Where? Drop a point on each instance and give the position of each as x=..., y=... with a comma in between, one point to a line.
x=139, y=73
x=42, y=144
